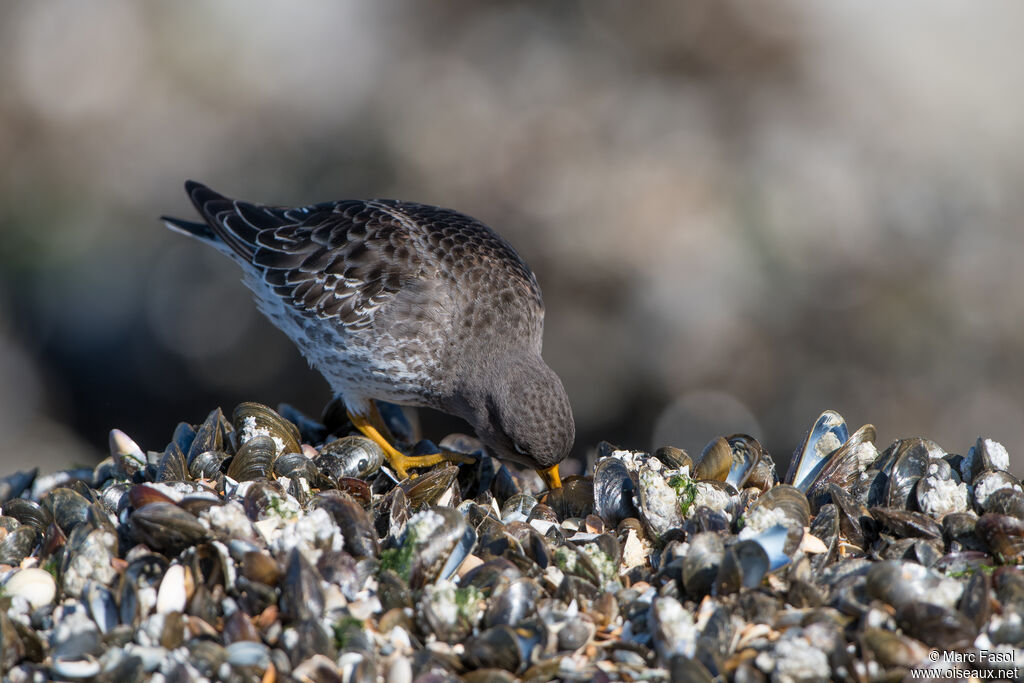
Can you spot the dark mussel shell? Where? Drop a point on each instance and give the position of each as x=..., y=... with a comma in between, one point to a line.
x=790, y=500
x=898, y=583
x=715, y=461
x=843, y=467
x=426, y=489
x=356, y=525
x=674, y=458
x=828, y=433
x=208, y=437
x=442, y=547
x=13, y=485
x=349, y=456
x=747, y=454
x=29, y=512
x=701, y=563
x=296, y=465
x=961, y=528
x=171, y=466
x=263, y=498
x=976, y=602
x=68, y=507
x=128, y=457
x=743, y=565
x=166, y=527
x=912, y=458
x=614, y=490
x=254, y=419
x=254, y=459
x=574, y=499
x=936, y=626
x=905, y=524
x=207, y=465
x=1007, y=501
x=1004, y=536
x=19, y=544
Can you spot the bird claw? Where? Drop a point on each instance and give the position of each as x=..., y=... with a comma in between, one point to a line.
x=403, y=463
x=400, y=462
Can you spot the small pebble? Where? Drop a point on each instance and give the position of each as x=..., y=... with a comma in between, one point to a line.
x=34, y=585
x=171, y=597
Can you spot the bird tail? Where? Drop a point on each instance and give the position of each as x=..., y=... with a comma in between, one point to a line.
x=198, y=230
x=207, y=202
x=230, y=226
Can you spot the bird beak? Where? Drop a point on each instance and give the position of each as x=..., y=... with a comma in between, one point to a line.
x=550, y=475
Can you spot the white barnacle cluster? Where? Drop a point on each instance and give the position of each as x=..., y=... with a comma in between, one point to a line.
x=421, y=525
x=710, y=496
x=998, y=456
x=229, y=519
x=761, y=518
x=312, y=534
x=442, y=598
x=633, y=460
x=795, y=659
x=251, y=428
x=604, y=564
x=658, y=501
x=675, y=632
x=989, y=485
x=997, y=453
x=942, y=496
x=865, y=452
x=827, y=444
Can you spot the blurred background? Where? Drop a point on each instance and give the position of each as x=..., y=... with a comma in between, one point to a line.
x=741, y=214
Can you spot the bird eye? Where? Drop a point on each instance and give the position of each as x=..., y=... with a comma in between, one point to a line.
x=519, y=449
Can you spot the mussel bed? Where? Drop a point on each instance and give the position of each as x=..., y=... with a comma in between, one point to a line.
x=268, y=546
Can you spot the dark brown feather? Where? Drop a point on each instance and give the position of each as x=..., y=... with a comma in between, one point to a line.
x=348, y=259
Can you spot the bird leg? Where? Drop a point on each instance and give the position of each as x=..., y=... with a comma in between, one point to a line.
x=400, y=462
x=550, y=476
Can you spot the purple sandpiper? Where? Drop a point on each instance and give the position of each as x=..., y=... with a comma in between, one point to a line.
x=406, y=303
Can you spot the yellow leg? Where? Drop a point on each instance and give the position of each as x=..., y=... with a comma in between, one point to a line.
x=550, y=475
x=402, y=463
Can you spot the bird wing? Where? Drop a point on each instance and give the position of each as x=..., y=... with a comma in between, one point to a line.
x=350, y=259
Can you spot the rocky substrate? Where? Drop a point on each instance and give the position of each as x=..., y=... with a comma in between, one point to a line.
x=269, y=546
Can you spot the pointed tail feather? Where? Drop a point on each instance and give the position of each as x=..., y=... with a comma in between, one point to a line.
x=199, y=230
x=232, y=222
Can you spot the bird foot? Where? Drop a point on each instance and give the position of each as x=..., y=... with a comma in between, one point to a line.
x=400, y=462
x=403, y=463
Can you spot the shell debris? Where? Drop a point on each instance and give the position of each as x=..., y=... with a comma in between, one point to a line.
x=222, y=557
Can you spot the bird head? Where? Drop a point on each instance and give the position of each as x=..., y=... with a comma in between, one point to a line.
x=523, y=415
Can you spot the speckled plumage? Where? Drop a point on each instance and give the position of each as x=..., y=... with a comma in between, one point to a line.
x=406, y=303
